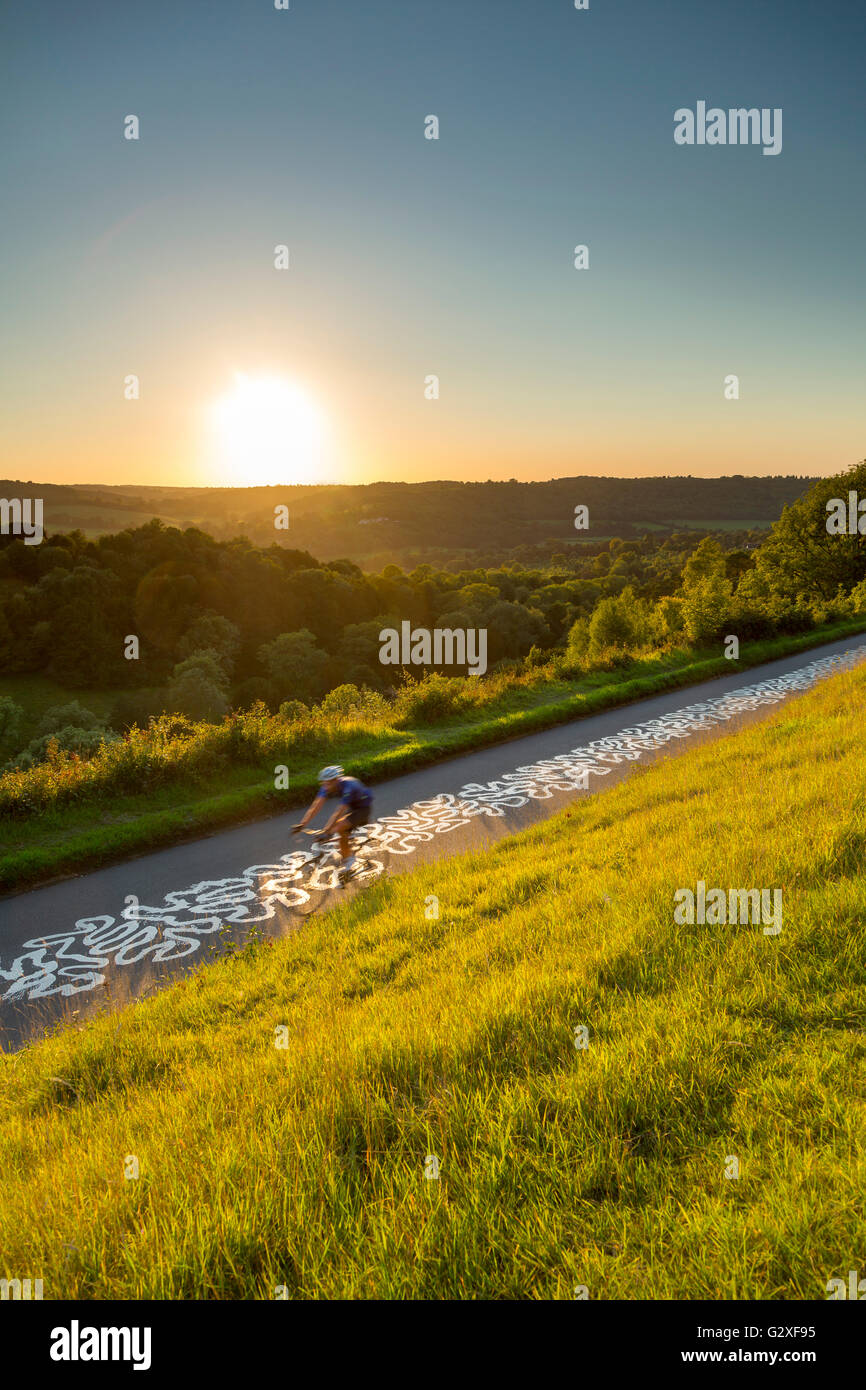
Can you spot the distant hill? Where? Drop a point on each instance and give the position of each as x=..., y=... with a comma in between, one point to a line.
x=379, y=522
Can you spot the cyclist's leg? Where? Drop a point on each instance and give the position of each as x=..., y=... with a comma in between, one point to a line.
x=351, y=821
x=344, y=830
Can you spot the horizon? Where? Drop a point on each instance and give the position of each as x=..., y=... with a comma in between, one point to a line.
x=429, y=482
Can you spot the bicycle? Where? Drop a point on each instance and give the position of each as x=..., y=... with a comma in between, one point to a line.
x=319, y=873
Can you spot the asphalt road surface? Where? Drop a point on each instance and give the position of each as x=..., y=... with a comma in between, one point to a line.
x=88, y=943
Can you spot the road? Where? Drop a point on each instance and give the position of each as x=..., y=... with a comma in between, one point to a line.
x=87, y=943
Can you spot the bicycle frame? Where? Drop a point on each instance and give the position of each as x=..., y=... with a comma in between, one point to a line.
x=325, y=849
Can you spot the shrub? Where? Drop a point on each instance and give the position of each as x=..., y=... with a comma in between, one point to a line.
x=347, y=700
x=430, y=699
x=667, y=618
x=293, y=711
x=72, y=715
x=618, y=623
x=343, y=699
x=82, y=742
x=707, y=607
x=578, y=641
x=295, y=665
x=198, y=687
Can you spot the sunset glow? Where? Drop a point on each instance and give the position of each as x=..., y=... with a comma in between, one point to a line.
x=266, y=430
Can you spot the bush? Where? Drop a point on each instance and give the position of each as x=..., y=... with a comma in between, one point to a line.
x=172, y=726
x=72, y=715
x=292, y=711
x=578, y=642
x=536, y=657
x=82, y=742
x=198, y=687
x=343, y=699
x=708, y=608
x=347, y=700
x=857, y=597
x=618, y=623
x=430, y=699
x=295, y=665
x=750, y=625
x=667, y=618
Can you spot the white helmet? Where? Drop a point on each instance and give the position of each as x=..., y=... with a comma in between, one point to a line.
x=328, y=774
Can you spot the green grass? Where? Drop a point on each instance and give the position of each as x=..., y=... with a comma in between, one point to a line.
x=35, y=694
x=304, y=1167
x=103, y=827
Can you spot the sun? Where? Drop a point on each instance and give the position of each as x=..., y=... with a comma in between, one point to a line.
x=267, y=430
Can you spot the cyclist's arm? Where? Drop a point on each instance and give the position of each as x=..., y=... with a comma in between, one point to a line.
x=335, y=818
x=312, y=812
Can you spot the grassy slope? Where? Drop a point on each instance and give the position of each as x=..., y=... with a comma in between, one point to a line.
x=78, y=837
x=36, y=693
x=603, y=1167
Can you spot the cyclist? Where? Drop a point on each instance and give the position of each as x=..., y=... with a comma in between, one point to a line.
x=356, y=803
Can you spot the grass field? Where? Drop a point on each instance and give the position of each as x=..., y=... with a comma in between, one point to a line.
x=98, y=827
x=303, y=1167
x=35, y=694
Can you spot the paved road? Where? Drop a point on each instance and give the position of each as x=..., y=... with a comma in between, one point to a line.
x=108, y=936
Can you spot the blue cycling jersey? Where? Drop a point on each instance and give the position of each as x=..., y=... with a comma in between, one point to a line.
x=350, y=791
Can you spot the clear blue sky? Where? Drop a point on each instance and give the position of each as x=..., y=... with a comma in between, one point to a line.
x=412, y=257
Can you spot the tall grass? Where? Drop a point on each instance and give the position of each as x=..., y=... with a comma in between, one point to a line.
x=304, y=1167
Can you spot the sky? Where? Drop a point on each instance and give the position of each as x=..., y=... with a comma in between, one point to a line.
x=411, y=258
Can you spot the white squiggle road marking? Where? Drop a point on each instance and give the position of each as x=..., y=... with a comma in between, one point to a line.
x=72, y=961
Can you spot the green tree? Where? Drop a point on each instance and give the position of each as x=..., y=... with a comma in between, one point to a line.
x=705, y=561
x=801, y=559
x=578, y=639
x=83, y=742
x=73, y=714
x=11, y=717
x=618, y=623
x=512, y=629
x=198, y=687
x=707, y=608
x=212, y=632
x=295, y=665
x=667, y=618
